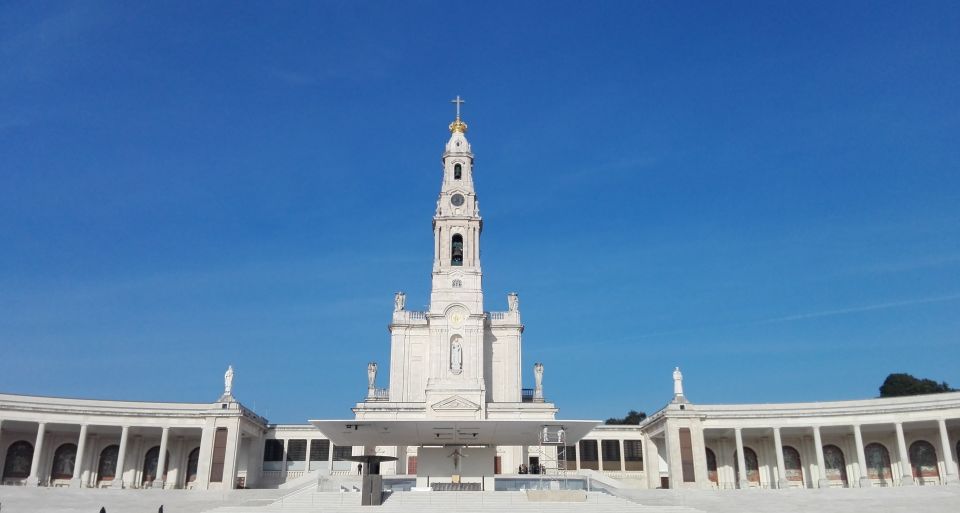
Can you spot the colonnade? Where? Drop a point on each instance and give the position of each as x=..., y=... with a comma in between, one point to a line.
x=211, y=450
x=818, y=476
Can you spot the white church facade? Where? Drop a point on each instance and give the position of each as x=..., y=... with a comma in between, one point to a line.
x=454, y=413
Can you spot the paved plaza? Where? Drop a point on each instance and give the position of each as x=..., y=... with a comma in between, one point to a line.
x=941, y=499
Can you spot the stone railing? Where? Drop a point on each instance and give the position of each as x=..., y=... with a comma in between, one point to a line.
x=378, y=394
x=409, y=315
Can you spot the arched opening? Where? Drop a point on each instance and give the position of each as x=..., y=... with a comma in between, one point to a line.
x=456, y=250
x=835, y=467
x=19, y=459
x=457, y=171
x=792, y=466
x=150, y=462
x=192, y=461
x=878, y=462
x=711, y=466
x=750, y=464
x=923, y=460
x=107, y=466
x=64, y=459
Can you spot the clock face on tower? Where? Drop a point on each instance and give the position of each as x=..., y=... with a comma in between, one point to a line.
x=457, y=200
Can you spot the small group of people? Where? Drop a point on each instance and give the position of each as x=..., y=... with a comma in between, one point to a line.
x=537, y=469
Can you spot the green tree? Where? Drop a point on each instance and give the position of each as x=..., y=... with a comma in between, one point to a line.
x=897, y=385
x=633, y=417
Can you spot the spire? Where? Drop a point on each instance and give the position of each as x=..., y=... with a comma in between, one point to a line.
x=458, y=126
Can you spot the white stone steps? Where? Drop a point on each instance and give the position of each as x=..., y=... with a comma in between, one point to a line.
x=444, y=502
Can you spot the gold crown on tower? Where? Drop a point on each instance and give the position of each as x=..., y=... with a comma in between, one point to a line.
x=458, y=126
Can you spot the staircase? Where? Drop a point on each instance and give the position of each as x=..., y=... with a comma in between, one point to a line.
x=310, y=500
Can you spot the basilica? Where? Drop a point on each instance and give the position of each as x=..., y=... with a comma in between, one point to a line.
x=454, y=415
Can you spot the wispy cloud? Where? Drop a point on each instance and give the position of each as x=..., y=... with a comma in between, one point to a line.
x=807, y=315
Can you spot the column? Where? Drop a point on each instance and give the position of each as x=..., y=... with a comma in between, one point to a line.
x=118, y=479
x=865, y=481
x=330, y=457
x=206, y=455
x=33, y=480
x=3, y=453
x=230, y=457
x=906, y=473
x=651, y=463
x=822, y=481
x=577, y=455
x=949, y=465
x=158, y=482
x=741, y=464
x=283, y=467
x=699, y=446
x=623, y=458
x=782, y=482
x=78, y=463
x=309, y=446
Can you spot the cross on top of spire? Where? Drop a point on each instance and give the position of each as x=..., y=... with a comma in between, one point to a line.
x=457, y=101
x=457, y=125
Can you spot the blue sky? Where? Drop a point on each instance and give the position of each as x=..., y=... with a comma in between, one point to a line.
x=762, y=193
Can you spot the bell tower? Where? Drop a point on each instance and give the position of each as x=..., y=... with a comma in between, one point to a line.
x=457, y=278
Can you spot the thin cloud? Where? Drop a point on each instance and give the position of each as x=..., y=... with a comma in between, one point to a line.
x=810, y=315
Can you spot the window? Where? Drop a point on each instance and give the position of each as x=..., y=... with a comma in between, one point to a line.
x=63, y=461
x=340, y=452
x=150, y=463
x=923, y=459
x=588, y=455
x=633, y=454
x=19, y=459
x=569, y=456
x=457, y=171
x=219, y=455
x=193, y=461
x=611, y=454
x=792, y=465
x=297, y=450
x=686, y=456
x=711, y=465
x=878, y=461
x=835, y=466
x=107, y=468
x=272, y=450
x=320, y=450
x=751, y=466
x=456, y=250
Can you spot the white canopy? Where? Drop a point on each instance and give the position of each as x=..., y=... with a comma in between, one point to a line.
x=450, y=432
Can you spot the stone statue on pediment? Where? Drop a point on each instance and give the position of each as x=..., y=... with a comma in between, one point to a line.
x=399, y=301
x=228, y=381
x=371, y=375
x=513, y=302
x=677, y=382
x=538, y=381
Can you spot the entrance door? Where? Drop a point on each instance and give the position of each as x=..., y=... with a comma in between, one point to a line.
x=534, y=464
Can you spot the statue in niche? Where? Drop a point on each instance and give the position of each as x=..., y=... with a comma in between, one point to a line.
x=399, y=301
x=538, y=381
x=677, y=382
x=513, y=302
x=456, y=356
x=371, y=376
x=228, y=381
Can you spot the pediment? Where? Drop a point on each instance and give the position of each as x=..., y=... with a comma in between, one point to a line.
x=455, y=403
